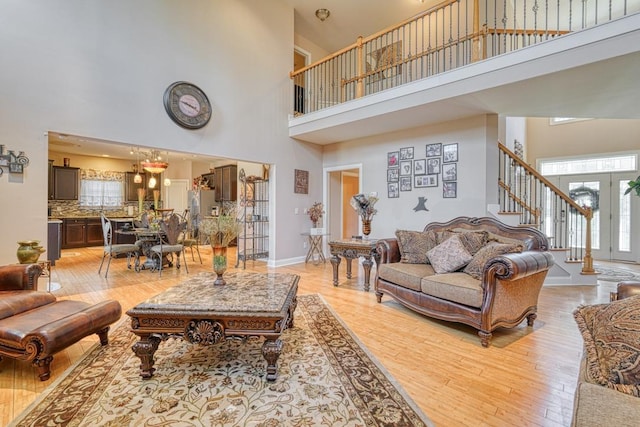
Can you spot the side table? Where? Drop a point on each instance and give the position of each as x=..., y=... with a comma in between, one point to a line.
x=315, y=247
x=351, y=249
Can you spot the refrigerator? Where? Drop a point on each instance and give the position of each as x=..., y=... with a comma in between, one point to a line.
x=201, y=204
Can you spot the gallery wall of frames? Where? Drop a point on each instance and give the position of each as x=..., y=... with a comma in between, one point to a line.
x=414, y=168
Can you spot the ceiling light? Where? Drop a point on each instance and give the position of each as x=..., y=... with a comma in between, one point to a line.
x=137, y=178
x=167, y=182
x=154, y=163
x=152, y=182
x=322, y=14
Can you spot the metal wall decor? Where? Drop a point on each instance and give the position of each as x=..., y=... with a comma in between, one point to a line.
x=9, y=160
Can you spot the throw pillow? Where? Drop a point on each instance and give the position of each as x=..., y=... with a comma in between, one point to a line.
x=492, y=249
x=414, y=245
x=448, y=256
x=472, y=240
x=611, y=334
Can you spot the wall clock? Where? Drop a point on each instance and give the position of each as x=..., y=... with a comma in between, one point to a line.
x=187, y=105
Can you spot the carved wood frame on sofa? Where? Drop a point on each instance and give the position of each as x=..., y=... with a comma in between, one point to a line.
x=510, y=283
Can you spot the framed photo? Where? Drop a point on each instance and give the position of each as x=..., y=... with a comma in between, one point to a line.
x=434, y=150
x=15, y=167
x=433, y=166
x=392, y=159
x=449, y=190
x=425, y=181
x=393, y=190
x=393, y=175
x=405, y=183
x=406, y=153
x=450, y=153
x=405, y=167
x=301, y=181
x=450, y=172
x=419, y=167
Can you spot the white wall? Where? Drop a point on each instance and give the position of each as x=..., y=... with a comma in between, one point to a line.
x=99, y=69
x=477, y=176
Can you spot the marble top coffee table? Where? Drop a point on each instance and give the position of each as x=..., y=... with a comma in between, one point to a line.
x=250, y=304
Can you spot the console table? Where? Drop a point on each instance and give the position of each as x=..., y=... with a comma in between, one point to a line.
x=350, y=249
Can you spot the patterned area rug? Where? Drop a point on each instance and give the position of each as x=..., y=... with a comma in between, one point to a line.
x=325, y=377
x=617, y=274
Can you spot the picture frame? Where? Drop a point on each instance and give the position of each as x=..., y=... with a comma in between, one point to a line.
x=301, y=181
x=450, y=172
x=405, y=167
x=433, y=166
x=393, y=175
x=393, y=159
x=406, y=153
x=434, y=150
x=421, y=181
x=393, y=190
x=449, y=190
x=450, y=153
x=419, y=167
x=405, y=183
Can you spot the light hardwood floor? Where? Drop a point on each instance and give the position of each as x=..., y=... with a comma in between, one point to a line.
x=526, y=378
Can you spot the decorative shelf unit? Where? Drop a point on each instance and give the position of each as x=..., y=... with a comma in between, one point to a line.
x=253, y=241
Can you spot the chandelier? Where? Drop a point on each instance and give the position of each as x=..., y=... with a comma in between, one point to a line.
x=154, y=163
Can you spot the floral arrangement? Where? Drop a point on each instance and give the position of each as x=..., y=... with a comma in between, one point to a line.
x=315, y=212
x=364, y=205
x=221, y=229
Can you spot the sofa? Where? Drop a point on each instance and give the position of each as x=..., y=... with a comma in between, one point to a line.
x=34, y=324
x=608, y=387
x=475, y=271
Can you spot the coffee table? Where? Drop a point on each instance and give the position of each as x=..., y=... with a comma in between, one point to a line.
x=250, y=304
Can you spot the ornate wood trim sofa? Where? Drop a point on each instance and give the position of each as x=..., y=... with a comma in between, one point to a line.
x=503, y=292
x=34, y=324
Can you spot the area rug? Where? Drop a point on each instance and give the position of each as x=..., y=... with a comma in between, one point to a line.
x=615, y=274
x=325, y=377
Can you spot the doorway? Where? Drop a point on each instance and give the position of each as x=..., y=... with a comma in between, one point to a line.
x=341, y=183
x=615, y=215
x=301, y=59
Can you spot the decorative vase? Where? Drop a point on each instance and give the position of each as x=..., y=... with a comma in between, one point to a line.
x=366, y=226
x=219, y=263
x=156, y=199
x=140, y=200
x=29, y=251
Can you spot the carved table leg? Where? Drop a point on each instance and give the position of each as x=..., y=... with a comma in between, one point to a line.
x=271, y=350
x=335, y=262
x=145, y=349
x=292, y=309
x=366, y=265
x=348, y=267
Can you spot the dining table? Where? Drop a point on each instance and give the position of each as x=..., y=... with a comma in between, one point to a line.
x=147, y=237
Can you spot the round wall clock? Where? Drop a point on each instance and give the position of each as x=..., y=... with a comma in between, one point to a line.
x=187, y=105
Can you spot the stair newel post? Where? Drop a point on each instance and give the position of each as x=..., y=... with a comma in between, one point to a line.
x=587, y=264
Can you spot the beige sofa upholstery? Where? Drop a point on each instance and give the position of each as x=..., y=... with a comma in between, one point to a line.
x=612, y=331
x=503, y=292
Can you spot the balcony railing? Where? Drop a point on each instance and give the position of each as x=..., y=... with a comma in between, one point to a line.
x=447, y=36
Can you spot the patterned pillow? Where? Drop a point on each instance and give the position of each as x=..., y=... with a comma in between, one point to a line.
x=448, y=256
x=472, y=240
x=492, y=249
x=611, y=334
x=414, y=245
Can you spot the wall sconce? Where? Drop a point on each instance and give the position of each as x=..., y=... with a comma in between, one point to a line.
x=322, y=14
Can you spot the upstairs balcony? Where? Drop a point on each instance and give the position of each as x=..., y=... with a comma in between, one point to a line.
x=465, y=57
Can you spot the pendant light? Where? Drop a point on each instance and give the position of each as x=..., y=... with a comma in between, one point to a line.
x=137, y=178
x=152, y=182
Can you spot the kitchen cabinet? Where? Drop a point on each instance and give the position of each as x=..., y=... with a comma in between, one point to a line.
x=226, y=179
x=81, y=232
x=65, y=183
x=131, y=188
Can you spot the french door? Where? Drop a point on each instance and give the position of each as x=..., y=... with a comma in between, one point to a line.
x=616, y=217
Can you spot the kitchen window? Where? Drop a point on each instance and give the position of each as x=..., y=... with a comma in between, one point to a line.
x=101, y=189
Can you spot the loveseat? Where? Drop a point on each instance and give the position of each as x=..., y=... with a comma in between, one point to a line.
x=35, y=324
x=608, y=389
x=476, y=271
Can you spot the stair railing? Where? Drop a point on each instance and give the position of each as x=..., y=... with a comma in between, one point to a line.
x=522, y=190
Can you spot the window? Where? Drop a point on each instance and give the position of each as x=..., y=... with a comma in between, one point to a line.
x=101, y=189
x=618, y=163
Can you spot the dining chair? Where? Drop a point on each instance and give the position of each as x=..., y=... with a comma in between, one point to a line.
x=171, y=228
x=111, y=250
x=188, y=237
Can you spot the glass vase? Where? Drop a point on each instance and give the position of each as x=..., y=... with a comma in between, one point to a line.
x=219, y=263
x=366, y=226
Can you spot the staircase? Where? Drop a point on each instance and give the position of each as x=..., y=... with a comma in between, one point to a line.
x=526, y=198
